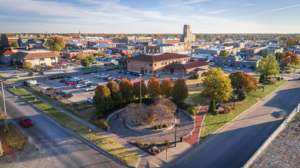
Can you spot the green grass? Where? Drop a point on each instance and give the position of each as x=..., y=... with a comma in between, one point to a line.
x=194, y=99
x=213, y=123
x=84, y=69
x=194, y=81
x=15, y=139
x=296, y=66
x=111, y=147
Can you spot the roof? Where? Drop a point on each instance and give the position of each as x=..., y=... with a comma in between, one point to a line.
x=189, y=65
x=64, y=63
x=160, y=57
x=6, y=52
x=33, y=54
x=117, y=48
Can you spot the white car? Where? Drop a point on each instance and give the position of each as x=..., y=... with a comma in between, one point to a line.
x=77, y=86
x=15, y=76
x=174, y=79
x=225, y=66
x=238, y=68
x=90, y=100
x=92, y=88
x=102, y=76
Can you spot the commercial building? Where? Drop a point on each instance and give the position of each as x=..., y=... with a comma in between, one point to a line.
x=122, y=51
x=71, y=53
x=252, y=51
x=168, y=41
x=5, y=54
x=187, y=36
x=235, y=61
x=7, y=39
x=131, y=39
x=271, y=50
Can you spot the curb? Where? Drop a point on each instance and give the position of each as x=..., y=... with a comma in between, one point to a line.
x=241, y=114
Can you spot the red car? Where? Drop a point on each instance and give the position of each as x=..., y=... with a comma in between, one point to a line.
x=71, y=83
x=119, y=77
x=26, y=121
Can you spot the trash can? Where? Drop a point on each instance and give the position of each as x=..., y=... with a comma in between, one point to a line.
x=181, y=139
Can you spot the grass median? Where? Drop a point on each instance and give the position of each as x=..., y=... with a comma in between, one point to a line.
x=213, y=123
x=111, y=147
x=15, y=139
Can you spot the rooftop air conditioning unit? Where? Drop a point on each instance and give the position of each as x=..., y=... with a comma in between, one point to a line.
x=182, y=62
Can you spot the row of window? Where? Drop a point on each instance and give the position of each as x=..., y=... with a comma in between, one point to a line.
x=43, y=59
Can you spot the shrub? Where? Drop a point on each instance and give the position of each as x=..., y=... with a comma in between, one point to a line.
x=212, y=106
x=160, y=126
x=102, y=124
x=271, y=82
x=153, y=143
x=197, y=76
x=242, y=95
x=2, y=116
x=167, y=142
x=192, y=112
x=151, y=119
x=148, y=144
x=158, y=150
x=149, y=150
x=154, y=153
x=215, y=113
x=165, y=125
x=142, y=143
x=278, y=78
x=184, y=106
x=156, y=127
x=138, y=143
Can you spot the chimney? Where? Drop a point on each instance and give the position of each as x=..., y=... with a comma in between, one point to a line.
x=26, y=48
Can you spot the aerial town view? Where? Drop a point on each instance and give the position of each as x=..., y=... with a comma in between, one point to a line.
x=149, y=84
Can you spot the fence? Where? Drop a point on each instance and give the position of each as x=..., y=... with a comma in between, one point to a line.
x=58, y=98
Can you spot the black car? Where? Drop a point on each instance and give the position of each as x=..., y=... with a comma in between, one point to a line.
x=132, y=73
x=125, y=72
x=121, y=71
x=30, y=74
x=67, y=95
x=62, y=81
x=89, y=84
x=41, y=73
x=60, y=93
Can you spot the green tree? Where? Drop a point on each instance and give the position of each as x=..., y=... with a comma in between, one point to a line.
x=56, y=47
x=212, y=106
x=237, y=80
x=180, y=91
x=262, y=78
x=102, y=99
x=59, y=41
x=153, y=87
x=91, y=58
x=14, y=44
x=50, y=43
x=126, y=89
x=223, y=53
x=136, y=89
x=80, y=56
x=166, y=87
x=115, y=93
x=85, y=62
x=216, y=85
x=268, y=66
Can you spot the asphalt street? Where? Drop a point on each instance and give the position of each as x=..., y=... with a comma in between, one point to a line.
x=235, y=143
x=63, y=147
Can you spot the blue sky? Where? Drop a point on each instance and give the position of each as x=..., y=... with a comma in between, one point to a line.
x=150, y=16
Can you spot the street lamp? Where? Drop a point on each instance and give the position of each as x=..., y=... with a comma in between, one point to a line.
x=176, y=131
x=92, y=78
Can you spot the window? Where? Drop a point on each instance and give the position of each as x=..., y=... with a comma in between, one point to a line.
x=128, y=61
x=52, y=58
x=150, y=71
x=53, y=63
x=145, y=70
x=42, y=64
x=42, y=59
x=162, y=63
x=150, y=64
x=165, y=63
x=155, y=72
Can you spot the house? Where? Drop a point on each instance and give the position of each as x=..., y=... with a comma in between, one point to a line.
x=5, y=56
x=42, y=58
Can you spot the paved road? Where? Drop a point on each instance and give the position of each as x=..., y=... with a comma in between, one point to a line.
x=233, y=145
x=63, y=147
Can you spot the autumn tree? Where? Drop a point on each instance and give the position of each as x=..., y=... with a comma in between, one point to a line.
x=289, y=57
x=291, y=42
x=153, y=87
x=91, y=58
x=56, y=47
x=166, y=87
x=250, y=83
x=237, y=80
x=27, y=65
x=102, y=99
x=216, y=86
x=14, y=44
x=268, y=66
x=80, y=56
x=136, y=89
x=59, y=41
x=223, y=53
x=115, y=92
x=126, y=89
x=180, y=91
x=85, y=62
x=50, y=43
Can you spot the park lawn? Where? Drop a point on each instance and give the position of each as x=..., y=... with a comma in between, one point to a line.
x=194, y=81
x=111, y=147
x=84, y=69
x=15, y=139
x=194, y=99
x=213, y=123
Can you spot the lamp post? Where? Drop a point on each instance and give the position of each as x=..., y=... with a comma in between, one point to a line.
x=176, y=131
x=92, y=78
x=141, y=88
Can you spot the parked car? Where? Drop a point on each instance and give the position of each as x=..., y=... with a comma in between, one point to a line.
x=60, y=93
x=90, y=100
x=15, y=76
x=77, y=86
x=238, y=68
x=156, y=75
x=41, y=73
x=125, y=72
x=174, y=79
x=91, y=88
x=118, y=81
x=67, y=95
x=119, y=77
x=96, y=75
x=108, y=78
x=225, y=66
x=49, y=89
x=131, y=73
x=71, y=83
x=121, y=71
x=26, y=122
x=38, y=85
x=30, y=74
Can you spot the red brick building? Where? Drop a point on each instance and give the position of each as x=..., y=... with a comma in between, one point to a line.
x=122, y=51
x=170, y=63
x=71, y=54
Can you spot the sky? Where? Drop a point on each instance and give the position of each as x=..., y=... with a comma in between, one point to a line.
x=149, y=16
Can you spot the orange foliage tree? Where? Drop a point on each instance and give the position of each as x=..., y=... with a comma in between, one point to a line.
x=289, y=56
x=102, y=99
x=27, y=65
x=242, y=80
x=153, y=87
x=126, y=89
x=166, y=87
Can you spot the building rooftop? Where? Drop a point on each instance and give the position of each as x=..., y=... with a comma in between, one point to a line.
x=188, y=65
x=33, y=54
x=159, y=57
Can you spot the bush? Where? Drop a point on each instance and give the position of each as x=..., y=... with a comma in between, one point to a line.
x=153, y=143
x=2, y=116
x=148, y=144
x=271, y=82
x=193, y=112
x=167, y=142
x=165, y=125
x=154, y=153
x=215, y=113
x=156, y=127
x=212, y=106
x=197, y=76
x=242, y=95
x=184, y=106
x=160, y=126
x=138, y=143
x=102, y=124
x=151, y=119
x=158, y=150
x=278, y=78
x=149, y=150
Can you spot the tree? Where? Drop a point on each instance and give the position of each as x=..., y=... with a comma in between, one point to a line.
x=115, y=92
x=50, y=43
x=291, y=42
x=80, y=56
x=27, y=65
x=59, y=41
x=136, y=89
x=102, y=99
x=237, y=80
x=223, y=53
x=166, y=87
x=268, y=66
x=85, y=62
x=126, y=89
x=262, y=78
x=180, y=91
x=14, y=44
x=56, y=47
x=91, y=58
x=250, y=83
x=217, y=86
x=289, y=57
x=212, y=106
x=153, y=87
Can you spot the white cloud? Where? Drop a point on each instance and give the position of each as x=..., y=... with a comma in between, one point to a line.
x=180, y=3
x=249, y=4
x=217, y=11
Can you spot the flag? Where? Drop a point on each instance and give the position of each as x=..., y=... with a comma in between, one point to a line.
x=136, y=80
x=288, y=57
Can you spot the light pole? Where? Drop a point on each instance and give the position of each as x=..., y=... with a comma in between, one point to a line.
x=141, y=88
x=4, y=107
x=182, y=74
x=176, y=131
x=92, y=78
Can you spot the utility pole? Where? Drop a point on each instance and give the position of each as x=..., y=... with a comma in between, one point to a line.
x=6, y=126
x=141, y=88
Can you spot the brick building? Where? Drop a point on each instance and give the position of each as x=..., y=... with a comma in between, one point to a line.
x=70, y=54
x=122, y=51
x=7, y=39
x=168, y=41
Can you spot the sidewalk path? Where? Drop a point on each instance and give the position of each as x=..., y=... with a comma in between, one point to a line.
x=198, y=121
x=8, y=150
